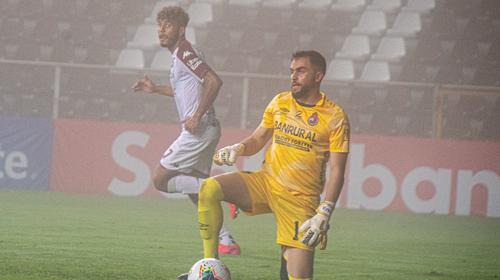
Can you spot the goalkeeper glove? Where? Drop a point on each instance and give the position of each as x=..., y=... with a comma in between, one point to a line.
x=316, y=227
x=229, y=154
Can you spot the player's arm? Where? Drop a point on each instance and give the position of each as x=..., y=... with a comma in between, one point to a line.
x=335, y=181
x=249, y=146
x=315, y=229
x=210, y=88
x=256, y=141
x=147, y=85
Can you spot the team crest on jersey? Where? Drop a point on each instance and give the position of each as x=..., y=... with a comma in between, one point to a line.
x=313, y=119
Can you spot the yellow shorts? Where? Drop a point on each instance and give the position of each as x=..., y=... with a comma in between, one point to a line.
x=291, y=209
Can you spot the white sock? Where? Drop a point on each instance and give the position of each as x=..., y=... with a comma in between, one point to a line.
x=225, y=236
x=184, y=184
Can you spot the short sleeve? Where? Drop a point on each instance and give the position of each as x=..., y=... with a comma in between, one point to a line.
x=268, y=116
x=189, y=57
x=340, y=133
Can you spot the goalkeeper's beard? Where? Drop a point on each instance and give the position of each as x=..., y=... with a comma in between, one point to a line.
x=301, y=92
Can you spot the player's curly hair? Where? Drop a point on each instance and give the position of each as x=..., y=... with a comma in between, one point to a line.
x=173, y=14
x=315, y=57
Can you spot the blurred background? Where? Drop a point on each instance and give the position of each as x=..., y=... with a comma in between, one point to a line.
x=423, y=68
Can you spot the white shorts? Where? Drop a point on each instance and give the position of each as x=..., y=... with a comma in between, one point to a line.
x=192, y=152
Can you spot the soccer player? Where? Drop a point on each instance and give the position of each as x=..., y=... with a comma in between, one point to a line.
x=307, y=131
x=194, y=87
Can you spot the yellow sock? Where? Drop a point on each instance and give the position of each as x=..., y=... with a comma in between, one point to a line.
x=294, y=278
x=210, y=216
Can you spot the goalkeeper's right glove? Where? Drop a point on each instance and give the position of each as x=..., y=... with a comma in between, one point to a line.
x=229, y=154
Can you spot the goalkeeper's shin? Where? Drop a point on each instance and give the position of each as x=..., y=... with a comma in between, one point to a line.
x=210, y=216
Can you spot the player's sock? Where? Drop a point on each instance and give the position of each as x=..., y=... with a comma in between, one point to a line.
x=184, y=184
x=224, y=234
x=295, y=278
x=283, y=271
x=227, y=245
x=210, y=216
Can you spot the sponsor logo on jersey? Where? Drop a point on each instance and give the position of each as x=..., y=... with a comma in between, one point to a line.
x=295, y=131
x=313, y=119
x=186, y=54
x=194, y=63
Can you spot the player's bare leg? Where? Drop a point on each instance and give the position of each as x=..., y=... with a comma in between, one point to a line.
x=162, y=176
x=299, y=263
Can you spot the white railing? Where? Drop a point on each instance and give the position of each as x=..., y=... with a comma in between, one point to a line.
x=439, y=93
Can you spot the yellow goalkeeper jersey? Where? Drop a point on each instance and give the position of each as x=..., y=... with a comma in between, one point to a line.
x=302, y=141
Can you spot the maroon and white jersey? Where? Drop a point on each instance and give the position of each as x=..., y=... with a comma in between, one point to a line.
x=186, y=76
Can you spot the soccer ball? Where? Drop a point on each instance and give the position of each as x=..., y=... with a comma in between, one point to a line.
x=209, y=269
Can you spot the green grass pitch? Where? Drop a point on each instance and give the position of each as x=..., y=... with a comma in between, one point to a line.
x=47, y=235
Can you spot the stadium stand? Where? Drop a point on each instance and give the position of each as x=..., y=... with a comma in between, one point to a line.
x=423, y=44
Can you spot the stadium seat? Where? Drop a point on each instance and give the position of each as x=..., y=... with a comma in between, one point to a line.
x=11, y=51
x=390, y=49
x=340, y=69
x=371, y=23
x=162, y=60
x=419, y=6
x=191, y=35
x=81, y=6
x=386, y=6
x=282, y=4
x=97, y=30
x=200, y=14
x=29, y=27
x=80, y=54
x=245, y=3
x=214, y=2
x=156, y=8
x=47, y=5
x=46, y=52
x=406, y=25
x=315, y=4
x=348, y=5
x=146, y=37
x=355, y=47
x=131, y=58
x=376, y=71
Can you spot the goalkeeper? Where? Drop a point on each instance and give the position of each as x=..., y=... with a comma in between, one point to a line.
x=307, y=132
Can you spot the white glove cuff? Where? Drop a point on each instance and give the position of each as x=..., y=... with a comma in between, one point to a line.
x=239, y=148
x=326, y=208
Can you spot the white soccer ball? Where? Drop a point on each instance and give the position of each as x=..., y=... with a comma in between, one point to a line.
x=209, y=269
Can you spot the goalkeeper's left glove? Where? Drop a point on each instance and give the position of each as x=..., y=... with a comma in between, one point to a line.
x=316, y=227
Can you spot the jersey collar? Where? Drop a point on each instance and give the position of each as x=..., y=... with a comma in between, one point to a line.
x=319, y=103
